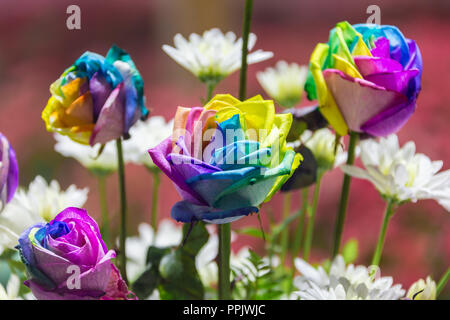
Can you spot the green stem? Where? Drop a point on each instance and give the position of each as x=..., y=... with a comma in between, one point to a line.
x=245, y=34
x=441, y=284
x=311, y=219
x=224, y=261
x=209, y=90
x=339, y=226
x=301, y=224
x=379, y=249
x=225, y=229
x=123, y=212
x=284, y=241
x=156, y=182
x=104, y=209
x=299, y=234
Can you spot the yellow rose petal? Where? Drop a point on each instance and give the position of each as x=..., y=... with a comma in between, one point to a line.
x=327, y=104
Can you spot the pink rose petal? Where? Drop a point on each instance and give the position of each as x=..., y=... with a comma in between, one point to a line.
x=359, y=100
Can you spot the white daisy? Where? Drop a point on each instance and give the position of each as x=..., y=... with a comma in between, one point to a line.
x=214, y=55
x=344, y=283
x=11, y=292
x=284, y=83
x=87, y=155
x=145, y=135
x=41, y=203
x=422, y=290
x=400, y=174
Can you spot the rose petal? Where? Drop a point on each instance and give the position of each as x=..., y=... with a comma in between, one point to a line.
x=42, y=294
x=9, y=171
x=117, y=287
x=185, y=211
x=100, y=90
x=52, y=265
x=359, y=100
x=188, y=167
x=395, y=81
x=381, y=49
x=415, y=62
x=110, y=123
x=97, y=278
x=368, y=65
x=159, y=156
x=81, y=214
x=211, y=185
x=390, y=120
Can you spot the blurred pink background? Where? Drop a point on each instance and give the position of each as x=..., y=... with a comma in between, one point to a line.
x=36, y=47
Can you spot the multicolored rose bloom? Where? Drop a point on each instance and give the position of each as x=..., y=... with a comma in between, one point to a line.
x=226, y=158
x=66, y=259
x=9, y=172
x=97, y=99
x=366, y=79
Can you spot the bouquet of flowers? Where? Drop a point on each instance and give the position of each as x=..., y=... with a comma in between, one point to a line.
x=227, y=157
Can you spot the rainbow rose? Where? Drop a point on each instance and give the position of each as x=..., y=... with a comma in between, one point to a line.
x=366, y=79
x=97, y=99
x=9, y=171
x=226, y=158
x=66, y=259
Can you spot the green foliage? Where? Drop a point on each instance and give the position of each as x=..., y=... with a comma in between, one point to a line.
x=149, y=279
x=179, y=277
x=172, y=271
x=296, y=130
x=196, y=239
x=254, y=279
x=10, y=263
x=251, y=231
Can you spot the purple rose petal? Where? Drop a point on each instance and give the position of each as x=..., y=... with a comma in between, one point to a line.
x=9, y=171
x=100, y=90
x=110, y=123
x=397, y=81
x=159, y=156
x=79, y=247
x=381, y=49
x=390, y=120
x=369, y=66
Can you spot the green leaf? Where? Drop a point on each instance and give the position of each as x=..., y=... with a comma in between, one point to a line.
x=250, y=231
x=155, y=254
x=149, y=279
x=350, y=251
x=180, y=279
x=296, y=130
x=196, y=239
